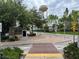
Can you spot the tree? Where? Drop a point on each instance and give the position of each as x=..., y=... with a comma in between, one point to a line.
x=74, y=22
x=35, y=19
x=52, y=18
x=10, y=11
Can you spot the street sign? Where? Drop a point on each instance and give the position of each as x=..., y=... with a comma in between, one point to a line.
x=0, y=27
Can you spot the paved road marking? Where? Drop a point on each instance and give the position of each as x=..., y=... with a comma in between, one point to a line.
x=53, y=55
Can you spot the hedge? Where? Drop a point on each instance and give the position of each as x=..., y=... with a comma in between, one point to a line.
x=71, y=51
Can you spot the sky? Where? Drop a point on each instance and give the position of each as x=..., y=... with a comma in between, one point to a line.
x=55, y=7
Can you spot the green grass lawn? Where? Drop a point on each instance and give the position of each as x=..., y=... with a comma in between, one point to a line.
x=71, y=33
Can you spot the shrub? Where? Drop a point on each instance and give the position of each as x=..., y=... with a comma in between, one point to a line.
x=14, y=38
x=18, y=50
x=11, y=39
x=31, y=34
x=12, y=53
x=71, y=51
x=4, y=38
x=46, y=28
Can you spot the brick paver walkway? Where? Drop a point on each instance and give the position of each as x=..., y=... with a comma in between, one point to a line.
x=43, y=51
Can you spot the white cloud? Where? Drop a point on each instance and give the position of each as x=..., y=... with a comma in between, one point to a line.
x=55, y=6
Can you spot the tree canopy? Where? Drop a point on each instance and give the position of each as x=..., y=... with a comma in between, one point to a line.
x=10, y=11
x=52, y=17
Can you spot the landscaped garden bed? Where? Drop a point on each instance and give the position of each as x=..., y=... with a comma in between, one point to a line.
x=71, y=51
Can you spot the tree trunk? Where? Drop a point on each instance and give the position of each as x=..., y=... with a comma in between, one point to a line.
x=74, y=37
x=64, y=28
x=11, y=32
x=55, y=28
x=78, y=42
x=32, y=28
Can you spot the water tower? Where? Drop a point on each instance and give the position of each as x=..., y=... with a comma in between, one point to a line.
x=43, y=9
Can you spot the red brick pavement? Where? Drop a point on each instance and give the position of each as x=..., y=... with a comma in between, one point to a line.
x=43, y=48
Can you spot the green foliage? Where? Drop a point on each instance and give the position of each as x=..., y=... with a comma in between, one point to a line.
x=18, y=50
x=52, y=17
x=71, y=51
x=35, y=18
x=13, y=38
x=46, y=28
x=12, y=53
x=60, y=27
x=69, y=18
x=4, y=38
x=10, y=11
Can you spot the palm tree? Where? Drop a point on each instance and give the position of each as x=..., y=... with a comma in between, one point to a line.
x=74, y=23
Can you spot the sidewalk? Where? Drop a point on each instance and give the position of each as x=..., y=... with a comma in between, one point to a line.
x=42, y=38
